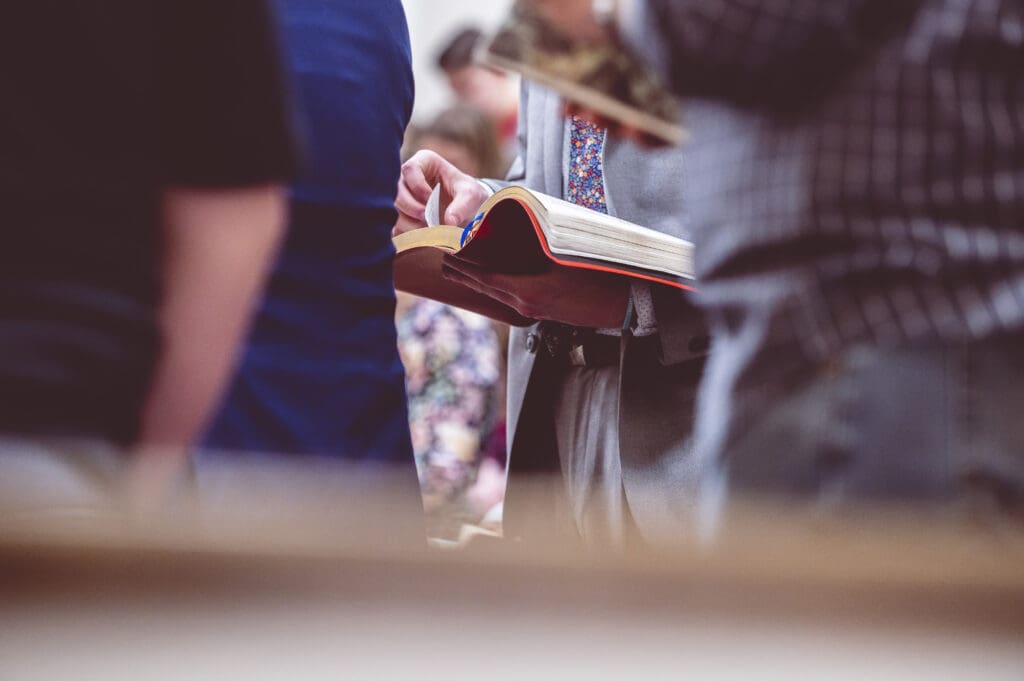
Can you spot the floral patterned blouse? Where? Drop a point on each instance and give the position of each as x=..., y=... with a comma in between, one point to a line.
x=452, y=363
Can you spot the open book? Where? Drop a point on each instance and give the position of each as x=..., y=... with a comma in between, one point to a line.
x=522, y=232
x=607, y=79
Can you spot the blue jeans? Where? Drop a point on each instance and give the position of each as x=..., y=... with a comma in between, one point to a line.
x=934, y=423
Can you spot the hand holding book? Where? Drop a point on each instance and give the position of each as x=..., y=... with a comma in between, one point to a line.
x=462, y=194
x=505, y=290
x=532, y=257
x=583, y=298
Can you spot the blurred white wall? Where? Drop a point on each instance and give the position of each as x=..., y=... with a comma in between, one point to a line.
x=431, y=24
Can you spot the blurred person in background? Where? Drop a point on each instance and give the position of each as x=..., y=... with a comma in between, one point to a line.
x=140, y=216
x=454, y=364
x=595, y=390
x=321, y=375
x=493, y=92
x=861, y=244
x=463, y=135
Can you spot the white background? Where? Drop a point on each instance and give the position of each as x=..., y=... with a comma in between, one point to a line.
x=431, y=24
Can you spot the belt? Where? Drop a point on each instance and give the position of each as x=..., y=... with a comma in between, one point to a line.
x=582, y=347
x=576, y=347
x=585, y=348
x=595, y=350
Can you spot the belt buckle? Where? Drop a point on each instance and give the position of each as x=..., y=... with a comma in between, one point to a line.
x=556, y=338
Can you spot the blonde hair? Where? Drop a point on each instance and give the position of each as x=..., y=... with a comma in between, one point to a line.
x=471, y=129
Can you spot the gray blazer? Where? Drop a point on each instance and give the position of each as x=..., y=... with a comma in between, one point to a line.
x=646, y=187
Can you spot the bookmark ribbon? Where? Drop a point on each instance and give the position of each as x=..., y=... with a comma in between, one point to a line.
x=468, y=231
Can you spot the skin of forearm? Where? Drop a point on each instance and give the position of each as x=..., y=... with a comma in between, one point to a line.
x=219, y=247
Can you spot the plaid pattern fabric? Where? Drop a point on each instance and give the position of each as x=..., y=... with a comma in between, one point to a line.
x=860, y=164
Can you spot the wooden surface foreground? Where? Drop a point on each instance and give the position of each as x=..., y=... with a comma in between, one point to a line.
x=293, y=578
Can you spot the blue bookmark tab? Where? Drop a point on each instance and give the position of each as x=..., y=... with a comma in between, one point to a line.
x=469, y=229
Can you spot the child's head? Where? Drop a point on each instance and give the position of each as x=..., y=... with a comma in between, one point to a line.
x=492, y=92
x=464, y=137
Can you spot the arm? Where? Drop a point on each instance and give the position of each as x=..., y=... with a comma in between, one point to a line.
x=578, y=297
x=461, y=194
x=218, y=248
x=223, y=136
x=225, y=145
x=746, y=51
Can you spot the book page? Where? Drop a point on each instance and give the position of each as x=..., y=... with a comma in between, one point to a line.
x=574, y=230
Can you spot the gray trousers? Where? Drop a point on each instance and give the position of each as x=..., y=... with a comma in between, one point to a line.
x=625, y=446
x=933, y=423
x=587, y=438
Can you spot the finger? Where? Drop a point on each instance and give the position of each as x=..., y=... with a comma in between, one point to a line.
x=467, y=197
x=462, y=209
x=478, y=274
x=453, y=275
x=416, y=174
x=437, y=170
x=503, y=287
x=407, y=204
x=488, y=277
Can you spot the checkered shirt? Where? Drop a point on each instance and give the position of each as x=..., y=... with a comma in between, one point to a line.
x=859, y=164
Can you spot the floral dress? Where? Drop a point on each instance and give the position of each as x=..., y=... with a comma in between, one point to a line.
x=452, y=362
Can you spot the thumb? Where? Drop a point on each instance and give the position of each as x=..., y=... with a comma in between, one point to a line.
x=466, y=198
x=459, y=212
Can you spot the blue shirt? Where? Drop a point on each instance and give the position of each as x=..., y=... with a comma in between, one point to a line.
x=321, y=374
